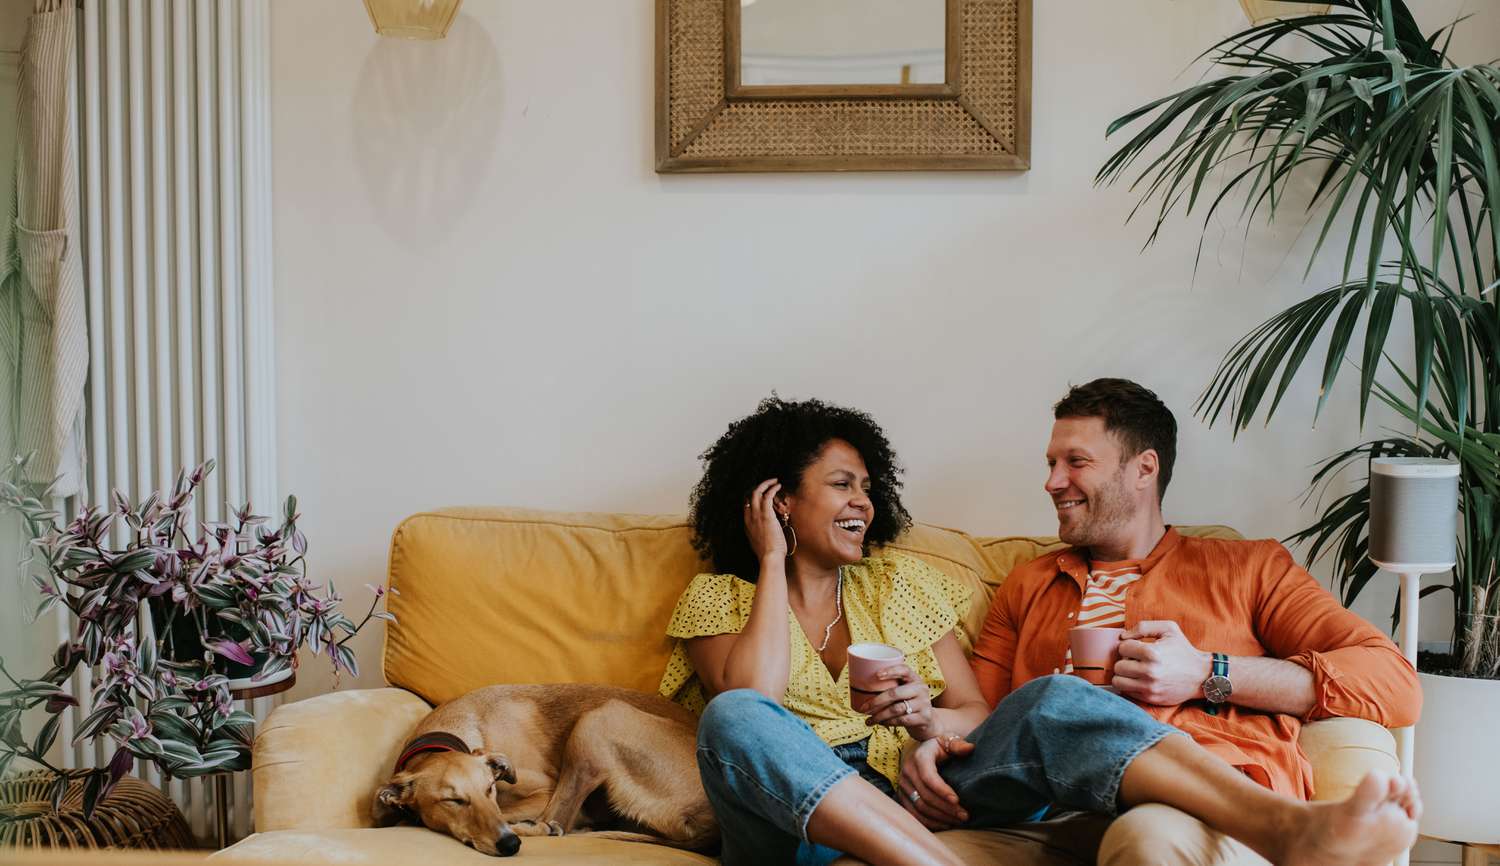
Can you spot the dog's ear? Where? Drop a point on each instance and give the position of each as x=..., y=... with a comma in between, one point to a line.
x=500, y=766
x=393, y=802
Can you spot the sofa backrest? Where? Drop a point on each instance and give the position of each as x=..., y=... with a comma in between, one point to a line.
x=510, y=595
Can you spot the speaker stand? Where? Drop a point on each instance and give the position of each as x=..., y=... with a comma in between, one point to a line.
x=1411, y=585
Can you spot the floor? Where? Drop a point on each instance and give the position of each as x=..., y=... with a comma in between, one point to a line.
x=1430, y=853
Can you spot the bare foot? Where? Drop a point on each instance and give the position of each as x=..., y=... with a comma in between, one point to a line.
x=1373, y=826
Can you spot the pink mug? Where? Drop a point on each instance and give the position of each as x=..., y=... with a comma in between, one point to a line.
x=1095, y=651
x=865, y=661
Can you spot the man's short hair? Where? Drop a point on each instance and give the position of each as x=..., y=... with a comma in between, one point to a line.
x=1137, y=417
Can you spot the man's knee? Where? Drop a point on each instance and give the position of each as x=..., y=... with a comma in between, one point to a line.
x=1053, y=689
x=1049, y=698
x=1157, y=835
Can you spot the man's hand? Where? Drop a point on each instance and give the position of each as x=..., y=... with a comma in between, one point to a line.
x=935, y=804
x=1165, y=671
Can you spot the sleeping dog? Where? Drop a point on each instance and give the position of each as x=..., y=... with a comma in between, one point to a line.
x=504, y=762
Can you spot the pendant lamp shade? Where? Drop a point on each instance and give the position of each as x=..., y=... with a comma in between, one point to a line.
x=1261, y=11
x=412, y=19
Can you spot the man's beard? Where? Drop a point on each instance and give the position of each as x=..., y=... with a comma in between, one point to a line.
x=1108, y=510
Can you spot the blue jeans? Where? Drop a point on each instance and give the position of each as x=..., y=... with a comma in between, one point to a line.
x=1057, y=741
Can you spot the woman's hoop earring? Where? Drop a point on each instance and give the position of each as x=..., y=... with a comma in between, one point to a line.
x=786, y=523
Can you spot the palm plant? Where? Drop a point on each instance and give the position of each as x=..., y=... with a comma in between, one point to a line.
x=1407, y=146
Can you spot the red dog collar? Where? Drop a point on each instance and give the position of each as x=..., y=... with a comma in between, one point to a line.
x=437, y=741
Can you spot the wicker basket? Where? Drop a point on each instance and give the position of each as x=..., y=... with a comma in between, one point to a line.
x=134, y=815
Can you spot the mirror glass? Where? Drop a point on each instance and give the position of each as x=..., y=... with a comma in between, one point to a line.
x=841, y=42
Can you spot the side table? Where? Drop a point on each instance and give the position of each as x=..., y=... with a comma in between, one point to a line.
x=221, y=780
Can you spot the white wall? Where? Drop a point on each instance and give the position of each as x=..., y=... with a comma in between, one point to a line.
x=486, y=295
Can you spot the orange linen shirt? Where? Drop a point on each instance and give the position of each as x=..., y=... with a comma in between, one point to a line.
x=1243, y=598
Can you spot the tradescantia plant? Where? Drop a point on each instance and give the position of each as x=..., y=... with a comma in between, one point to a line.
x=224, y=593
x=1401, y=142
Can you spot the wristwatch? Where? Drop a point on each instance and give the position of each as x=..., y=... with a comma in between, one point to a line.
x=1217, y=687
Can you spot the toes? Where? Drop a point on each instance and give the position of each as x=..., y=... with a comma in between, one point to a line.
x=1407, y=796
x=1412, y=801
x=554, y=828
x=1374, y=788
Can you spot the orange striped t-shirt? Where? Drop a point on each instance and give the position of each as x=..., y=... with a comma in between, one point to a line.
x=1103, y=603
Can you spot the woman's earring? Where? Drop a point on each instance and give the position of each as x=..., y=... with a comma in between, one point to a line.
x=786, y=523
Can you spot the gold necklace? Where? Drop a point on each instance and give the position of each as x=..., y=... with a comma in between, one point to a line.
x=838, y=600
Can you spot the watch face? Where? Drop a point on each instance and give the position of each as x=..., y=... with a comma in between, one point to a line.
x=1217, y=689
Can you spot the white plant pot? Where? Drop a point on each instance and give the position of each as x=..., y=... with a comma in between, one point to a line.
x=1457, y=759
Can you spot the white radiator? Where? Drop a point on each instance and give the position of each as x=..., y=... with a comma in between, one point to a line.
x=176, y=178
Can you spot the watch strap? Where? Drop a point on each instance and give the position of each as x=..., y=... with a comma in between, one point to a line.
x=1218, y=667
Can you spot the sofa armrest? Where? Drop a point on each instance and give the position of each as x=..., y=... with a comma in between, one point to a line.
x=1342, y=751
x=318, y=762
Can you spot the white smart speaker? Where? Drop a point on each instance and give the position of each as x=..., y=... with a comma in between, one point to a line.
x=1413, y=514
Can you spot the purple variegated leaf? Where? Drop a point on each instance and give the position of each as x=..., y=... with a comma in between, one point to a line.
x=60, y=701
x=230, y=650
x=119, y=765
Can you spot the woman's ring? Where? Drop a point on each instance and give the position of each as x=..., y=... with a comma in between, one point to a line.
x=906, y=706
x=915, y=797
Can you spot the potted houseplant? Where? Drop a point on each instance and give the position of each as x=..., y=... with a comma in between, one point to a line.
x=1407, y=144
x=226, y=599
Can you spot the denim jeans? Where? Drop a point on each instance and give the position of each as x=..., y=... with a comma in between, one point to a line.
x=1055, y=742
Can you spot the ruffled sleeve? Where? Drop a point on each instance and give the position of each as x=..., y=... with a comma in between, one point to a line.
x=919, y=604
x=712, y=604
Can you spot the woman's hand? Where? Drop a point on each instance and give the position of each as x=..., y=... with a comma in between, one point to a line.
x=922, y=790
x=761, y=525
x=908, y=704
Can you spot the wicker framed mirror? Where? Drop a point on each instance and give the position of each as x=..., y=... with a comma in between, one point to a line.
x=978, y=117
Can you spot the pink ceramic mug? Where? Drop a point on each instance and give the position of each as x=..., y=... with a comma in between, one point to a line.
x=865, y=661
x=1095, y=651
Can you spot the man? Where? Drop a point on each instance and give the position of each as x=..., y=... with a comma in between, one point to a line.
x=1229, y=641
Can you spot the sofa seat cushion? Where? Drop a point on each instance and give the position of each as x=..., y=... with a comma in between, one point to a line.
x=418, y=845
x=1026, y=845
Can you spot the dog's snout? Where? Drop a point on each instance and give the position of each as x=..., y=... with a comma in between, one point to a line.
x=508, y=844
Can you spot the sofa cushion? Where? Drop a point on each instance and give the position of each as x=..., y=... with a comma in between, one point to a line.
x=509, y=595
x=505, y=595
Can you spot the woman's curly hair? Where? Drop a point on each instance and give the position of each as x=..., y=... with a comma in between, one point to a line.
x=780, y=441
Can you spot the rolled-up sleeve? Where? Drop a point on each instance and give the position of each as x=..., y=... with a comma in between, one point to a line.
x=1357, y=671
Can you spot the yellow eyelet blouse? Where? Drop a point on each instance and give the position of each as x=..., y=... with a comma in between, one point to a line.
x=889, y=598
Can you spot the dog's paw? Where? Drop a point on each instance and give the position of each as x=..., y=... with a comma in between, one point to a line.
x=537, y=828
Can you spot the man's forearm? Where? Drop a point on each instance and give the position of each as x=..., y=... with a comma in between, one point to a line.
x=1272, y=685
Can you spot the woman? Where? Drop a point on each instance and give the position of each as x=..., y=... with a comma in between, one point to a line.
x=792, y=500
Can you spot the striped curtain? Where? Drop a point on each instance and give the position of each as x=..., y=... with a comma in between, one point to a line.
x=42, y=313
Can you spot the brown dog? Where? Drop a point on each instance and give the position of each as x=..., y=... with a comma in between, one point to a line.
x=509, y=761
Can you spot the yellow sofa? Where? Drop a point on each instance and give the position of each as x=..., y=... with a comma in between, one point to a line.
x=500, y=595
